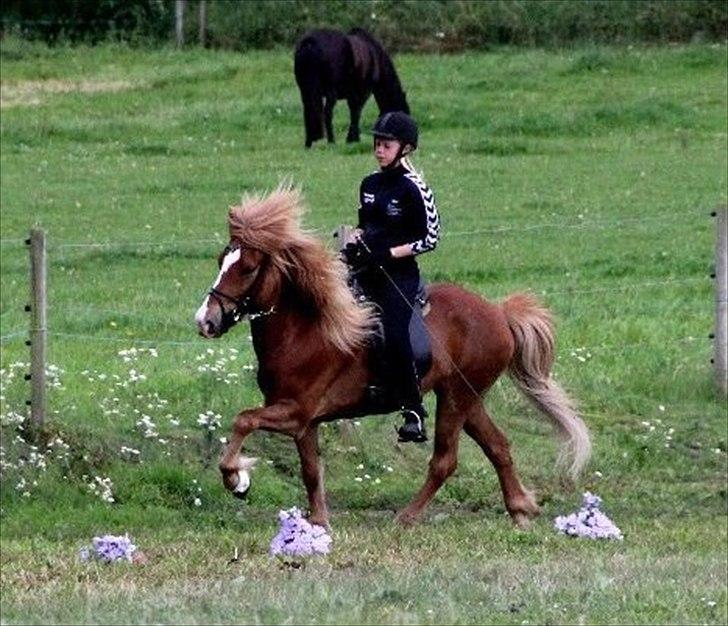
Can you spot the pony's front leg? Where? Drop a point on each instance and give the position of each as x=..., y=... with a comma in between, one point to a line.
x=312, y=473
x=283, y=417
x=356, y=103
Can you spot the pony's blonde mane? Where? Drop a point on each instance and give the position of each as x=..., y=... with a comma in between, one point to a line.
x=272, y=224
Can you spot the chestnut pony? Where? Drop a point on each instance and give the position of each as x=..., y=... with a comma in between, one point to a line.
x=310, y=337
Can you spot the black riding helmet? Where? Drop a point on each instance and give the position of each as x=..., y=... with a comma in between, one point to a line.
x=396, y=125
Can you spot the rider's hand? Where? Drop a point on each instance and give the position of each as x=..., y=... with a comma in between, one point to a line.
x=359, y=255
x=353, y=254
x=377, y=256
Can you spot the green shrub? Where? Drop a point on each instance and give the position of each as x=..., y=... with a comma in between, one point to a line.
x=424, y=25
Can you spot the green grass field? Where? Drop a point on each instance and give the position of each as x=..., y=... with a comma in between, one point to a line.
x=586, y=175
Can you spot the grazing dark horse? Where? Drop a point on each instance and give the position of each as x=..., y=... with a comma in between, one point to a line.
x=310, y=339
x=330, y=66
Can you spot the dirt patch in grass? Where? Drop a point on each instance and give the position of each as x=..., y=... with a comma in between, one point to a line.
x=33, y=92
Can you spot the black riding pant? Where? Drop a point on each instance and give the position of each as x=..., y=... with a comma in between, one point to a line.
x=395, y=297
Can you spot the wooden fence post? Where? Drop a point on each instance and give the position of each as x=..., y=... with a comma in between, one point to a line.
x=720, y=357
x=179, y=22
x=202, y=22
x=37, y=327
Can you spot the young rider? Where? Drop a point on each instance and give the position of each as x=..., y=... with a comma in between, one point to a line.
x=398, y=220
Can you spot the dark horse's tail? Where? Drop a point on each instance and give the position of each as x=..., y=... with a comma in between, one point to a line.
x=532, y=328
x=308, y=60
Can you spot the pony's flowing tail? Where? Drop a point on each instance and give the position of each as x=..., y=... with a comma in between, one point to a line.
x=532, y=328
x=307, y=68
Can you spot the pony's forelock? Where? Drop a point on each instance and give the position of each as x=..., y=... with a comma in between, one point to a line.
x=272, y=224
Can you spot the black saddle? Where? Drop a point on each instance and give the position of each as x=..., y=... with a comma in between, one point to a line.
x=419, y=337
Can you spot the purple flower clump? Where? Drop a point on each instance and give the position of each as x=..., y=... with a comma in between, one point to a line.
x=297, y=537
x=109, y=549
x=588, y=521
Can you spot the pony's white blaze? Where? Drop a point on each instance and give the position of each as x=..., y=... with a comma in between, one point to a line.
x=230, y=259
x=200, y=315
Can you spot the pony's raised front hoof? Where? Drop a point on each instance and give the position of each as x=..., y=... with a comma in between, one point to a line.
x=242, y=485
x=241, y=495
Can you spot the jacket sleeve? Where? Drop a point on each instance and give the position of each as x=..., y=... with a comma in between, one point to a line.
x=427, y=217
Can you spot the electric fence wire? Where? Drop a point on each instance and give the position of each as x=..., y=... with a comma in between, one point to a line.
x=583, y=224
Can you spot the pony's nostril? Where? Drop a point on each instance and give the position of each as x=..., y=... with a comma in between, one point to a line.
x=209, y=328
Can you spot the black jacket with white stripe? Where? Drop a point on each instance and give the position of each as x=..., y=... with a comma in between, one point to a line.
x=396, y=207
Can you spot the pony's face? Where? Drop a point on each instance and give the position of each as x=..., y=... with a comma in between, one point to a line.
x=231, y=296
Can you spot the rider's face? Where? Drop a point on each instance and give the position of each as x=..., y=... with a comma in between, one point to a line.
x=385, y=150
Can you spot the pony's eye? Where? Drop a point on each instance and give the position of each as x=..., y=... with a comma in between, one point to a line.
x=248, y=270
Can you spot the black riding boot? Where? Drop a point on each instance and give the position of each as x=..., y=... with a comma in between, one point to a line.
x=413, y=428
x=413, y=412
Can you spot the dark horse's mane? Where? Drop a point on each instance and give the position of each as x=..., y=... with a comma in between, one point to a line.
x=386, y=86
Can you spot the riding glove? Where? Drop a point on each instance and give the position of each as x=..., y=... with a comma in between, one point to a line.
x=358, y=255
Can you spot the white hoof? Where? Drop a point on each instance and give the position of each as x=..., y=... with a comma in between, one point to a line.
x=243, y=483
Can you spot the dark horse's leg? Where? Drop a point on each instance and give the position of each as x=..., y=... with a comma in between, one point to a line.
x=356, y=104
x=519, y=502
x=329, y=103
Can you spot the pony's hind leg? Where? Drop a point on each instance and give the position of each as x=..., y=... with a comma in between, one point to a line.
x=449, y=423
x=520, y=503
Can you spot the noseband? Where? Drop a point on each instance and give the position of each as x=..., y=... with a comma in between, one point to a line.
x=242, y=307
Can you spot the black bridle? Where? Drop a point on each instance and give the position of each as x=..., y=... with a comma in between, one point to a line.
x=241, y=306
